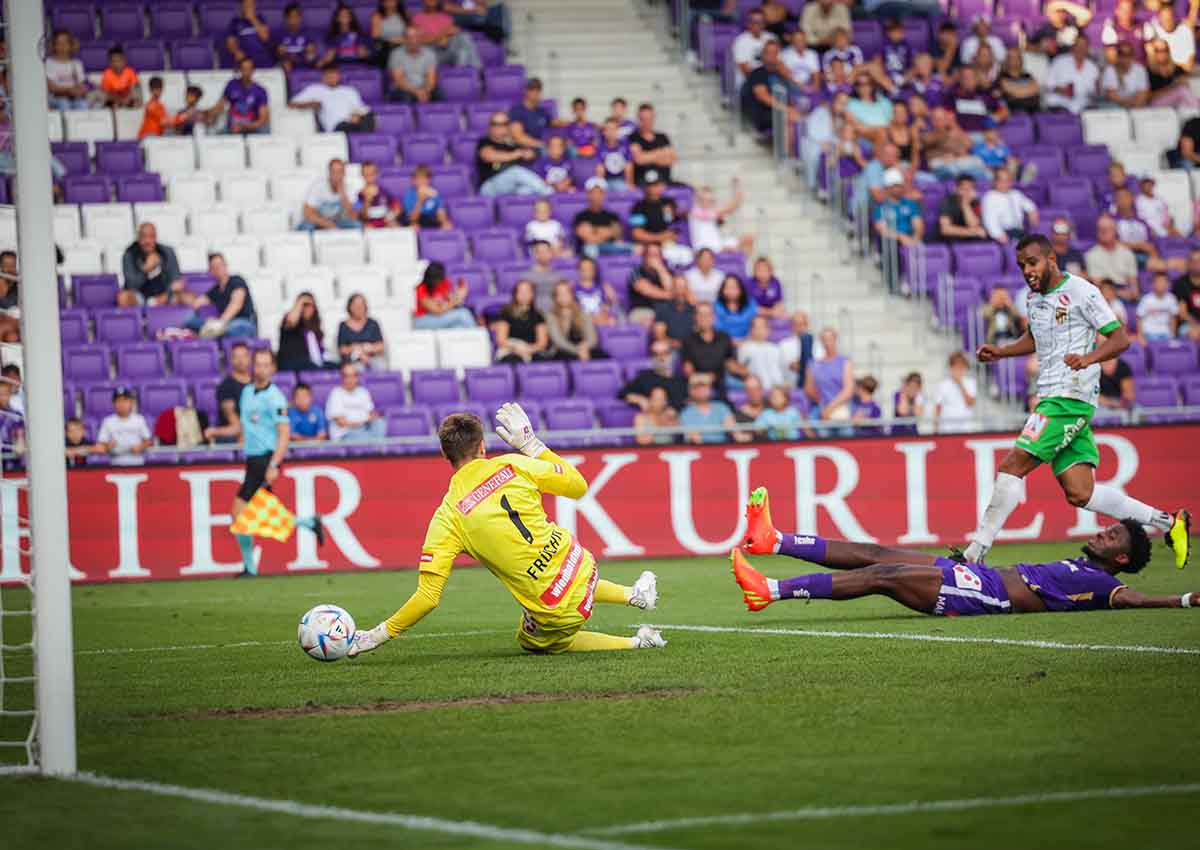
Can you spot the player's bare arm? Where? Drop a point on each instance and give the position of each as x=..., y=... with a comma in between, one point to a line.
x=1129, y=598
x=1021, y=346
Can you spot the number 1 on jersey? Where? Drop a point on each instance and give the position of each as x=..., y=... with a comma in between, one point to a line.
x=516, y=519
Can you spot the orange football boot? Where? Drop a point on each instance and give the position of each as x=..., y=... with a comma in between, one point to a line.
x=760, y=531
x=755, y=592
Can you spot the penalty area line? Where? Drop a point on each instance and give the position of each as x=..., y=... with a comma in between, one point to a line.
x=927, y=638
x=184, y=647
x=293, y=808
x=912, y=807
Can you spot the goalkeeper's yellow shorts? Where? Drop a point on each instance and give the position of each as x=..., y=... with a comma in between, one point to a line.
x=552, y=634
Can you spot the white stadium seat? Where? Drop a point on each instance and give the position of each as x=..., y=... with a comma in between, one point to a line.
x=192, y=253
x=290, y=189
x=221, y=154
x=192, y=190
x=408, y=350
x=67, y=228
x=216, y=221
x=316, y=151
x=266, y=288
x=88, y=125
x=54, y=124
x=128, y=123
x=8, y=227
x=296, y=124
x=338, y=247
x=169, y=219
x=114, y=256
x=243, y=189
x=213, y=83
x=1136, y=159
x=404, y=288
x=273, y=80
x=169, y=155
x=243, y=254
x=174, y=95
x=266, y=220
x=391, y=247
x=370, y=282
x=464, y=348
x=354, y=179
x=319, y=280
x=272, y=154
x=287, y=251
x=1175, y=188
x=111, y=224
x=1107, y=127
x=1155, y=128
x=81, y=257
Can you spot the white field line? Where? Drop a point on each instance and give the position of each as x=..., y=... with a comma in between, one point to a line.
x=293, y=808
x=912, y=807
x=245, y=643
x=1035, y=644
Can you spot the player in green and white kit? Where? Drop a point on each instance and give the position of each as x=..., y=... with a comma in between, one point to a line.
x=1066, y=313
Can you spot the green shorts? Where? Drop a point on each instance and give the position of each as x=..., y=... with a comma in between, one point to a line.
x=1059, y=432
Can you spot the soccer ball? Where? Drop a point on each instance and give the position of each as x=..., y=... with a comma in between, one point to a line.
x=326, y=632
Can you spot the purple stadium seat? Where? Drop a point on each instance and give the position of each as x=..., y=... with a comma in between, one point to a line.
x=372, y=147
x=87, y=189
x=1018, y=130
x=87, y=364
x=434, y=386
x=453, y=180
x=146, y=55
x=156, y=396
x=574, y=415
x=139, y=188
x=480, y=113
x=487, y=307
x=582, y=169
x=491, y=385
x=73, y=327
x=471, y=214
x=98, y=401
x=868, y=35
x=395, y=179
x=916, y=34
x=166, y=316
x=507, y=275
x=495, y=245
x=596, y=379
x=1027, y=10
x=1058, y=128
x=506, y=82
x=410, y=422
x=446, y=246
x=80, y=20
x=124, y=22
x=394, y=119
x=387, y=388
x=1191, y=390
x=141, y=361
x=423, y=149
x=1071, y=192
x=566, y=205
x=204, y=395
x=94, y=56
x=198, y=283
x=476, y=275
x=441, y=411
x=617, y=270
x=193, y=54
x=630, y=368
x=73, y=156
x=459, y=85
x=443, y=119
x=1089, y=160
x=541, y=381
x=94, y=290
x=286, y=381
x=1177, y=357
x=492, y=55
x=515, y=210
x=119, y=325
x=1157, y=392
x=70, y=396
x=197, y=358
x=1049, y=159
x=1135, y=356
x=533, y=408
x=462, y=148
x=977, y=258
x=615, y=413
x=301, y=78
x=968, y=9
x=214, y=16
x=170, y=19
x=368, y=81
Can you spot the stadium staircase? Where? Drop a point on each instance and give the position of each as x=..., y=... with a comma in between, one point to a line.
x=608, y=48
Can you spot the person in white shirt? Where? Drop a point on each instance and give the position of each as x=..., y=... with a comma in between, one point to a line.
x=800, y=349
x=981, y=33
x=327, y=206
x=761, y=356
x=801, y=61
x=1153, y=210
x=66, y=81
x=543, y=228
x=954, y=398
x=704, y=278
x=1180, y=36
x=351, y=410
x=339, y=108
x=1006, y=210
x=1158, y=312
x=1073, y=79
x=748, y=45
x=1126, y=82
x=124, y=434
x=1108, y=259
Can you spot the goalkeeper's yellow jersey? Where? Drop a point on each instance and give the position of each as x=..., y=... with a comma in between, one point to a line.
x=493, y=512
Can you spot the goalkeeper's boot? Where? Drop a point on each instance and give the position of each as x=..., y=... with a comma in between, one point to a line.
x=365, y=641
x=756, y=593
x=648, y=638
x=645, y=592
x=761, y=537
x=1179, y=537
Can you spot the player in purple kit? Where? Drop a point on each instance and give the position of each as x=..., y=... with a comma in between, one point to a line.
x=246, y=101
x=294, y=48
x=945, y=586
x=581, y=133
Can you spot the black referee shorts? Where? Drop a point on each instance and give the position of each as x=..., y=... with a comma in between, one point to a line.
x=255, y=477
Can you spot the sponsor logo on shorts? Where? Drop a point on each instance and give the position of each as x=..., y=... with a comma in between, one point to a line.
x=967, y=578
x=553, y=594
x=471, y=501
x=1071, y=431
x=1034, y=426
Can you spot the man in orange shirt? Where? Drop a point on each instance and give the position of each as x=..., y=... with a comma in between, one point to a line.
x=119, y=82
x=154, y=119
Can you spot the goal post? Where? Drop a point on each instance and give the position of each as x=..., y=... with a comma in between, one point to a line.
x=54, y=655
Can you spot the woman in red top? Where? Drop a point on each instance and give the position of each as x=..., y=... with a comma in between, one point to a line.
x=439, y=303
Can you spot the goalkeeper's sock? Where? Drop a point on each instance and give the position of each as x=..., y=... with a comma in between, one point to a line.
x=1006, y=495
x=597, y=642
x=612, y=593
x=309, y=522
x=807, y=547
x=246, y=544
x=812, y=586
x=1112, y=502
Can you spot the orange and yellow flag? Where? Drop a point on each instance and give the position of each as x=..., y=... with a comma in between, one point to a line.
x=265, y=516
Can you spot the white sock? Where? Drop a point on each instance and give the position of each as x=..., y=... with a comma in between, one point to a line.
x=773, y=586
x=778, y=542
x=1112, y=502
x=1006, y=495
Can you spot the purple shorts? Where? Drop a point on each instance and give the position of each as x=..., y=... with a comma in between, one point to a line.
x=970, y=589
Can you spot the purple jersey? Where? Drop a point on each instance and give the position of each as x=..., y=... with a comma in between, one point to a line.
x=1070, y=585
x=248, y=40
x=897, y=57
x=933, y=90
x=766, y=294
x=244, y=101
x=972, y=110
x=614, y=158
x=626, y=128
x=294, y=45
x=345, y=46
x=591, y=299
x=553, y=171
x=582, y=137
x=851, y=56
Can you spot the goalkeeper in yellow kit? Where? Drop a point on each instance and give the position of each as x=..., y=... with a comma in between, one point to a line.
x=493, y=512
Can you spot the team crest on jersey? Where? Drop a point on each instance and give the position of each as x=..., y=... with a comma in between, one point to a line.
x=1060, y=315
x=1064, y=299
x=966, y=578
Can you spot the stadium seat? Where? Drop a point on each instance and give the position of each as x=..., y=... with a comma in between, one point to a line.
x=445, y=246
x=391, y=247
x=109, y=224
x=84, y=256
x=1175, y=188
x=439, y=119
x=214, y=221
x=146, y=55
x=126, y=124
x=316, y=280
x=243, y=253
x=387, y=388
x=169, y=220
x=73, y=327
x=464, y=348
x=192, y=54
x=287, y=251
x=166, y=316
x=410, y=422
x=266, y=220
x=1176, y=357
x=1058, y=128
x=423, y=149
x=297, y=124
x=471, y=213
x=597, y=379
x=571, y=415
x=369, y=281
x=506, y=83
x=155, y=397
x=114, y=158
x=73, y=156
x=1109, y=127
x=624, y=342
x=393, y=321
x=67, y=228
x=515, y=210
x=494, y=245
x=192, y=190
x=1155, y=128
x=173, y=96
x=88, y=364
x=290, y=188
x=89, y=125
x=220, y=155
x=266, y=288
x=373, y=147
x=170, y=155
x=94, y=291
x=140, y=189
x=192, y=253
x=273, y=154
x=87, y=189
x=243, y=189
x=338, y=247
x=1156, y=392
x=491, y=385
x=316, y=151
x=459, y=85
x=98, y=400
x=433, y=386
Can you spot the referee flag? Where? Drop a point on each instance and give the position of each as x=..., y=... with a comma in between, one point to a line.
x=265, y=516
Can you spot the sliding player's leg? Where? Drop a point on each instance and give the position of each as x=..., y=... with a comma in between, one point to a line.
x=916, y=586
x=763, y=539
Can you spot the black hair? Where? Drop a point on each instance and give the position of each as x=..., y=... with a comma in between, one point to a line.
x=1031, y=239
x=214, y=254
x=1139, y=546
x=645, y=105
x=238, y=345
x=964, y=178
x=195, y=91
x=350, y=300
x=300, y=385
x=533, y=83
x=73, y=420
x=156, y=83
x=579, y=101
x=291, y=7
x=743, y=300
x=4, y=254
x=434, y=274
x=10, y=370
x=537, y=242
x=116, y=50
x=399, y=8
x=333, y=31
x=266, y=351
x=619, y=100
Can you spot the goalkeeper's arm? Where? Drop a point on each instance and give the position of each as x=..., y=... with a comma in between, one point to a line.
x=424, y=599
x=553, y=475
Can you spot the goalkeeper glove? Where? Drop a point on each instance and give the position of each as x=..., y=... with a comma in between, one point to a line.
x=514, y=427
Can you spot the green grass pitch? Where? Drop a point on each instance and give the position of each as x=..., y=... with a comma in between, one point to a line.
x=716, y=724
